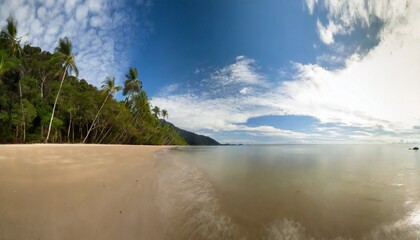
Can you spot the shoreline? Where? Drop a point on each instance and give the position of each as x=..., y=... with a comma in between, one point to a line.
x=82, y=144
x=78, y=191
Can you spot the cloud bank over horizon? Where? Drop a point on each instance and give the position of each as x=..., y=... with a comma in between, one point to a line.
x=98, y=29
x=373, y=94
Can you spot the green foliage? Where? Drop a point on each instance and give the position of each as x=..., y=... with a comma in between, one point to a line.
x=132, y=84
x=65, y=54
x=10, y=38
x=29, y=112
x=7, y=62
x=30, y=82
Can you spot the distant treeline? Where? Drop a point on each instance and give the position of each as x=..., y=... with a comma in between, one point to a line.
x=43, y=100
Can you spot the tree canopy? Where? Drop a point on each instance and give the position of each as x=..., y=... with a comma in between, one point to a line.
x=42, y=99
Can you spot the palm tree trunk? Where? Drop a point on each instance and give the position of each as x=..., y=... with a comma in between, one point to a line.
x=105, y=135
x=159, y=124
x=94, y=120
x=166, y=140
x=42, y=100
x=101, y=133
x=121, y=134
x=55, y=104
x=42, y=88
x=80, y=131
x=124, y=134
x=68, y=130
x=23, y=113
x=17, y=134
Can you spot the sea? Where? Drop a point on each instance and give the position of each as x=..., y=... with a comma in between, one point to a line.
x=290, y=192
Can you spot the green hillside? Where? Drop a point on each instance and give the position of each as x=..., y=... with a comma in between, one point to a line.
x=43, y=100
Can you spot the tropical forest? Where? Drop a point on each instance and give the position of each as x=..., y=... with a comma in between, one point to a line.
x=42, y=100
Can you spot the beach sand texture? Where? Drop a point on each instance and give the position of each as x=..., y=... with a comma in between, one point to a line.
x=78, y=192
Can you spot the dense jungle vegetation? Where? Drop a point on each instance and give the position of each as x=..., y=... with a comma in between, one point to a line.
x=43, y=100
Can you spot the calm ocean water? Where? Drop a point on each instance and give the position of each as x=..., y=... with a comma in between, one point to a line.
x=290, y=192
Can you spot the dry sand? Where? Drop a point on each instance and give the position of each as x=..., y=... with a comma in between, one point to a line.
x=78, y=192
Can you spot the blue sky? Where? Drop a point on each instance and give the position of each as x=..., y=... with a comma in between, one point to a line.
x=193, y=35
x=187, y=36
x=272, y=71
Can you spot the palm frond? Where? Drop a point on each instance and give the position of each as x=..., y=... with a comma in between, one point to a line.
x=65, y=46
x=11, y=27
x=109, y=87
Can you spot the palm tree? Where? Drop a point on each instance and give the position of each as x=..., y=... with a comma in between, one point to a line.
x=10, y=34
x=64, y=50
x=132, y=84
x=132, y=88
x=156, y=111
x=110, y=89
x=164, y=115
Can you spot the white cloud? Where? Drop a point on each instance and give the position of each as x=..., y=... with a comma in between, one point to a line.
x=244, y=90
x=377, y=93
x=326, y=33
x=37, y=28
x=95, y=5
x=331, y=59
x=82, y=12
x=379, y=89
x=348, y=14
x=42, y=13
x=310, y=4
x=242, y=71
x=270, y=131
x=84, y=22
x=170, y=89
x=70, y=6
x=49, y=3
x=194, y=113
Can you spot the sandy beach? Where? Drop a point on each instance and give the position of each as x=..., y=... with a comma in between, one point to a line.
x=78, y=192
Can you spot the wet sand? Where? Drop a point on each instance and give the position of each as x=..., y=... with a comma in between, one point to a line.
x=78, y=192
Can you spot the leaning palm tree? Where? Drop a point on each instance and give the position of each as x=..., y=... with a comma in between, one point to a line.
x=64, y=51
x=110, y=89
x=132, y=84
x=133, y=91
